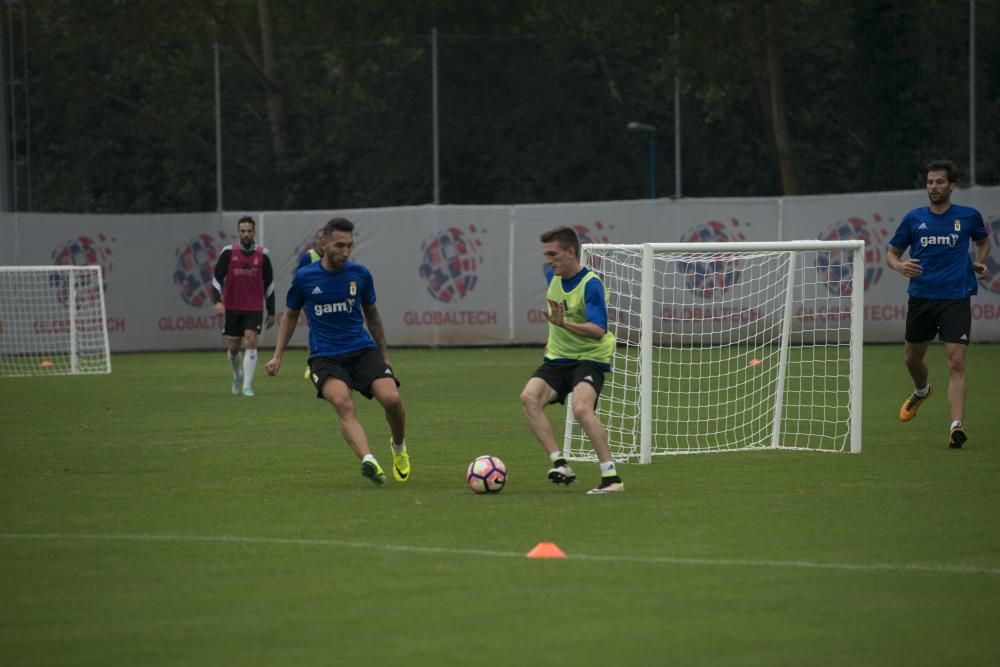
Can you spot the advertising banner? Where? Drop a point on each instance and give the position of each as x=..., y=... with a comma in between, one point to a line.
x=461, y=275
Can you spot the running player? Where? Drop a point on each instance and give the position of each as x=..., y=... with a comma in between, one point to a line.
x=942, y=280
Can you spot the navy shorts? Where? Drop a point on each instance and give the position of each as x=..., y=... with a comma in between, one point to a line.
x=357, y=370
x=562, y=377
x=238, y=321
x=951, y=319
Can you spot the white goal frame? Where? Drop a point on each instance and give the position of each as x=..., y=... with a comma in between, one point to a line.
x=789, y=346
x=53, y=321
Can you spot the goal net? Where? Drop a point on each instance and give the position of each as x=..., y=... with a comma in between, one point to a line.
x=728, y=347
x=52, y=321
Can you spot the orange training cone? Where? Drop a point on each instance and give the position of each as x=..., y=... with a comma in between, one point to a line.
x=754, y=362
x=546, y=550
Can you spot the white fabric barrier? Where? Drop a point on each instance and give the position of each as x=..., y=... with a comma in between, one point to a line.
x=456, y=275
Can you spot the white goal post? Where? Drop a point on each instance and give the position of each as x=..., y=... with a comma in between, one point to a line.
x=729, y=347
x=53, y=321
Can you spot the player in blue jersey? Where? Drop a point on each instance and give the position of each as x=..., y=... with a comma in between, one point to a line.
x=338, y=296
x=943, y=279
x=314, y=253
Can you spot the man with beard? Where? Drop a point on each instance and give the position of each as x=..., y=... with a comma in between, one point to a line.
x=943, y=278
x=347, y=348
x=242, y=284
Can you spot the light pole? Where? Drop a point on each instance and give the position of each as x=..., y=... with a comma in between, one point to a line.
x=636, y=126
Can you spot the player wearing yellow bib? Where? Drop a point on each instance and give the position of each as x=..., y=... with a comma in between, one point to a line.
x=577, y=355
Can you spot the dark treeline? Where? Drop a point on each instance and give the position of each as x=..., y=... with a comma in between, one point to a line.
x=328, y=104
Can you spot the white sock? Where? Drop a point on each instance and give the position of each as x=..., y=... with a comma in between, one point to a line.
x=920, y=393
x=957, y=423
x=608, y=469
x=234, y=361
x=554, y=456
x=249, y=366
x=369, y=457
x=398, y=448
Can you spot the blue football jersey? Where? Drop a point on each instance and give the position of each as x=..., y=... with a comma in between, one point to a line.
x=941, y=243
x=332, y=301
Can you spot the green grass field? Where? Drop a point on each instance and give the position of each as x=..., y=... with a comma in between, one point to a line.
x=150, y=518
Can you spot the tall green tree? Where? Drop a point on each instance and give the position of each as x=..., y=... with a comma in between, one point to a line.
x=329, y=104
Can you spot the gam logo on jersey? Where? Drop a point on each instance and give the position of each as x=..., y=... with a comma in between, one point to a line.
x=195, y=267
x=336, y=307
x=835, y=268
x=82, y=251
x=990, y=281
x=450, y=263
x=716, y=277
x=951, y=240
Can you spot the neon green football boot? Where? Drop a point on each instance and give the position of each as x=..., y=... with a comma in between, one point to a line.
x=400, y=464
x=373, y=472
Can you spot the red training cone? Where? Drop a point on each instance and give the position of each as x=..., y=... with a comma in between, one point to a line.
x=546, y=550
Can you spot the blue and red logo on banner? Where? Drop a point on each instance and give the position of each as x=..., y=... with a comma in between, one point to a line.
x=450, y=263
x=196, y=266
x=835, y=269
x=82, y=251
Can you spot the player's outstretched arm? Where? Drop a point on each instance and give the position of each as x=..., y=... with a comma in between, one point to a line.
x=289, y=319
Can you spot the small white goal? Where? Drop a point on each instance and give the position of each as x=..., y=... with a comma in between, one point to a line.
x=730, y=347
x=53, y=321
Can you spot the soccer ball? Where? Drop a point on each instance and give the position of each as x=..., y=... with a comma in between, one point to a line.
x=487, y=474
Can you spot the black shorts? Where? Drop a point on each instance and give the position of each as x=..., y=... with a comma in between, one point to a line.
x=357, y=370
x=238, y=321
x=949, y=318
x=562, y=377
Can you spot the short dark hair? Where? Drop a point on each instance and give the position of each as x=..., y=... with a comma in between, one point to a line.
x=565, y=236
x=246, y=218
x=947, y=166
x=338, y=225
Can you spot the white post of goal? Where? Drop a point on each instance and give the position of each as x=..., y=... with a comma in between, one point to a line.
x=104, y=318
x=857, y=343
x=74, y=360
x=786, y=327
x=646, y=357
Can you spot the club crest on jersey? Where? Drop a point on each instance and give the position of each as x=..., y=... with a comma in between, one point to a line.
x=958, y=225
x=354, y=288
